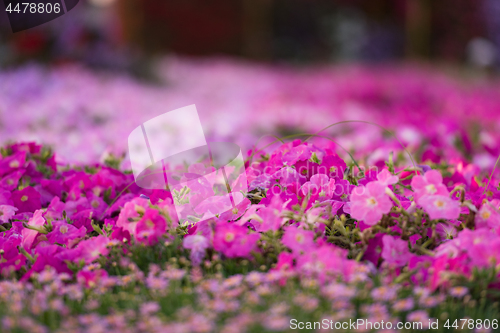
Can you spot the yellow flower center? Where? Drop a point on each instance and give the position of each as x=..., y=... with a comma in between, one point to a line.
x=431, y=189
x=63, y=229
x=150, y=223
x=229, y=237
x=371, y=201
x=486, y=214
x=439, y=203
x=14, y=164
x=24, y=198
x=299, y=238
x=139, y=209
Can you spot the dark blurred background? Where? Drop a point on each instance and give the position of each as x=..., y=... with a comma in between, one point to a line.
x=127, y=34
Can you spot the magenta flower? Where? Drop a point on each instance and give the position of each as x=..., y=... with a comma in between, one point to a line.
x=233, y=240
x=285, y=262
x=131, y=214
x=298, y=240
x=395, y=251
x=52, y=256
x=26, y=200
x=91, y=279
x=440, y=206
x=13, y=162
x=11, y=181
x=151, y=227
x=369, y=203
x=66, y=234
x=431, y=183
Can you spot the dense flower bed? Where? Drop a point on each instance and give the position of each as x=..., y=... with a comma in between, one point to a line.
x=349, y=221
x=405, y=238
x=82, y=114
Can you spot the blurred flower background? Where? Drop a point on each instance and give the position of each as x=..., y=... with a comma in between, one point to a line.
x=82, y=82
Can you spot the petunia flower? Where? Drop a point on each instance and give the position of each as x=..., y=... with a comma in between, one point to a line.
x=13, y=162
x=488, y=215
x=321, y=188
x=65, y=234
x=90, y=249
x=131, y=214
x=6, y=212
x=27, y=199
x=29, y=235
x=440, y=206
x=233, y=240
x=150, y=228
x=387, y=178
x=298, y=240
x=395, y=251
x=431, y=183
x=369, y=203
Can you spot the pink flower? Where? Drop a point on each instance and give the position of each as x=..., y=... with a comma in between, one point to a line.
x=285, y=262
x=150, y=228
x=488, y=215
x=431, y=183
x=321, y=188
x=6, y=212
x=267, y=218
x=29, y=235
x=485, y=253
x=448, y=230
x=440, y=206
x=131, y=214
x=197, y=244
x=90, y=249
x=369, y=203
x=327, y=262
x=238, y=210
x=299, y=153
x=395, y=251
x=386, y=178
x=233, y=241
x=298, y=240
